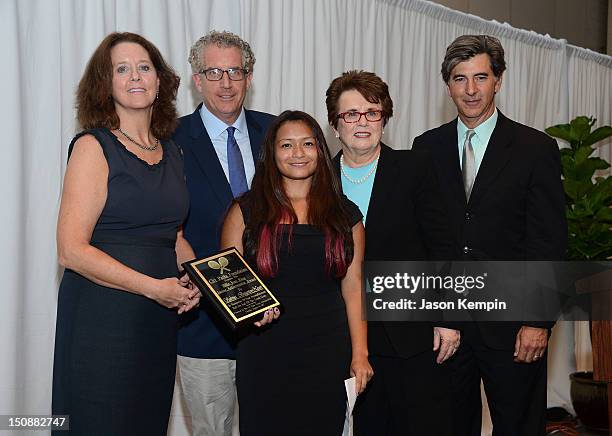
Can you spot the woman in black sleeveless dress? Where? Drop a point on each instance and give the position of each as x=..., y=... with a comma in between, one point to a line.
x=306, y=241
x=119, y=238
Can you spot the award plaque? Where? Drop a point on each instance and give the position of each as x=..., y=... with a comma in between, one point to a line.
x=231, y=286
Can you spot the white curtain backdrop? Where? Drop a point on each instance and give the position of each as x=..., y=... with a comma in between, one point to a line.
x=300, y=46
x=590, y=90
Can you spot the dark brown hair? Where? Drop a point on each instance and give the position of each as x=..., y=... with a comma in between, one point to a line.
x=269, y=207
x=468, y=46
x=94, y=101
x=372, y=87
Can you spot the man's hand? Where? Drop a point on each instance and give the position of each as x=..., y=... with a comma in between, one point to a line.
x=447, y=341
x=530, y=344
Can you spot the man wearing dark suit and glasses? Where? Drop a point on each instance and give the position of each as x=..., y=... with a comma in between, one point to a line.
x=221, y=142
x=501, y=184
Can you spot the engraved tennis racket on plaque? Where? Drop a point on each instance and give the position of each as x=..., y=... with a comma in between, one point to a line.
x=228, y=282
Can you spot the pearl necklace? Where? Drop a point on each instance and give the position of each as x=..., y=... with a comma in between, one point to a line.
x=144, y=147
x=360, y=180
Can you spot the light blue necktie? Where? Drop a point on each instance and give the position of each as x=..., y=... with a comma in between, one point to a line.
x=237, y=176
x=468, y=168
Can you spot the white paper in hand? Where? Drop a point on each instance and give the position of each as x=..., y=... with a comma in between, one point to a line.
x=351, y=396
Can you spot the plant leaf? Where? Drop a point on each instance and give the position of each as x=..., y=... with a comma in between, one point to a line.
x=597, y=135
x=580, y=128
x=586, y=169
x=582, y=153
x=561, y=131
x=604, y=215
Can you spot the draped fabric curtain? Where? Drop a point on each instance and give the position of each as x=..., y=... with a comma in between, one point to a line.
x=300, y=45
x=403, y=41
x=590, y=90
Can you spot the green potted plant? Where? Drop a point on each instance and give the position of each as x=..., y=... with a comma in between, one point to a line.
x=589, y=220
x=588, y=198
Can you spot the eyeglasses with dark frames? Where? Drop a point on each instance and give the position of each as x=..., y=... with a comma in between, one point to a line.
x=216, y=74
x=355, y=116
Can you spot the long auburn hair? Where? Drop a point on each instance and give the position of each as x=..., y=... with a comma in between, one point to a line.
x=269, y=207
x=94, y=101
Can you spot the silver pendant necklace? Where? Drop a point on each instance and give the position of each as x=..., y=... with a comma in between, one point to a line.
x=360, y=180
x=144, y=147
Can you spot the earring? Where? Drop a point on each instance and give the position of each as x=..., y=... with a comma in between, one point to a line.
x=157, y=94
x=337, y=135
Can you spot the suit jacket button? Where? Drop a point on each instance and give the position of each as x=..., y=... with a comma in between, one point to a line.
x=468, y=216
x=466, y=249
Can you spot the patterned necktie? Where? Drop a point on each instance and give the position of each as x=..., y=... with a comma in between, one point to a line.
x=237, y=176
x=469, y=164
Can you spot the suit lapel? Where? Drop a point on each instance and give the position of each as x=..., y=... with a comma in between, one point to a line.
x=496, y=157
x=256, y=135
x=207, y=158
x=450, y=164
x=386, y=175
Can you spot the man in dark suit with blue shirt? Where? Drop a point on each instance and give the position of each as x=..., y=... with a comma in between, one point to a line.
x=501, y=184
x=221, y=142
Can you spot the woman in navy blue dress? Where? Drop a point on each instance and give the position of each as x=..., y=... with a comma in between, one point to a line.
x=119, y=238
x=306, y=241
